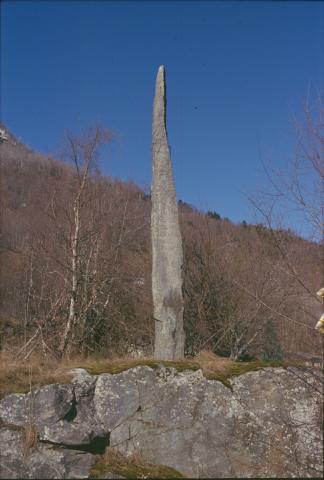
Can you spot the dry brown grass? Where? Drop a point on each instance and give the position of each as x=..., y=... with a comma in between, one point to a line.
x=30, y=439
x=211, y=363
x=222, y=369
x=17, y=377
x=133, y=466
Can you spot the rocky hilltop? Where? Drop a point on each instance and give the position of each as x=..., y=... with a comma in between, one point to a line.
x=265, y=423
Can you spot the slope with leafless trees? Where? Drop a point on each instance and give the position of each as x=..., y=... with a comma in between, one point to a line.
x=76, y=267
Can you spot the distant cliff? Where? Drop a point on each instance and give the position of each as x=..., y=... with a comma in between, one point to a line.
x=267, y=423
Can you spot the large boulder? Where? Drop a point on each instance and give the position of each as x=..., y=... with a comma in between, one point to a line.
x=268, y=424
x=205, y=429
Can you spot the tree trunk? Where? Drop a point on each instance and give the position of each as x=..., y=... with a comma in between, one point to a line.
x=166, y=239
x=74, y=264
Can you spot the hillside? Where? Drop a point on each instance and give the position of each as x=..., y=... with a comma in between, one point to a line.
x=249, y=291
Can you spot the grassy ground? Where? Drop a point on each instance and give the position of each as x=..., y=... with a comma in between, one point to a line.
x=129, y=467
x=20, y=378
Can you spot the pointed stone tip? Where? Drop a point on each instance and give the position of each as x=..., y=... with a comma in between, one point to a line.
x=161, y=71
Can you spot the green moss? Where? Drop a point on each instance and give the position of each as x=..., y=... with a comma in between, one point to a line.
x=113, y=367
x=120, y=465
x=221, y=374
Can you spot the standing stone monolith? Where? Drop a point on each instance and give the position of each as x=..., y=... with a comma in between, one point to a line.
x=166, y=239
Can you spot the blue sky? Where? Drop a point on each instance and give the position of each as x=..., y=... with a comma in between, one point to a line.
x=236, y=74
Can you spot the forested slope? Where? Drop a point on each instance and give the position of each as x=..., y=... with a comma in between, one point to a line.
x=248, y=290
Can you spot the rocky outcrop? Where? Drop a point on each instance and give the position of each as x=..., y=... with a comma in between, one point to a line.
x=42, y=461
x=167, y=255
x=268, y=424
x=41, y=407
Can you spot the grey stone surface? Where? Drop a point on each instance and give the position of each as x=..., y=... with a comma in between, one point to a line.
x=167, y=255
x=71, y=433
x=10, y=442
x=269, y=424
x=42, y=406
x=117, y=397
x=42, y=461
x=80, y=375
x=82, y=426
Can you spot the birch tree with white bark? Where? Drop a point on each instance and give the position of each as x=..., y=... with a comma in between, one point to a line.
x=83, y=152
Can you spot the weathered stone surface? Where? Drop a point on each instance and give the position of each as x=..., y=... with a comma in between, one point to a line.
x=71, y=433
x=77, y=464
x=84, y=388
x=206, y=430
x=167, y=255
x=80, y=375
x=42, y=461
x=42, y=406
x=268, y=425
x=117, y=397
x=82, y=426
x=10, y=442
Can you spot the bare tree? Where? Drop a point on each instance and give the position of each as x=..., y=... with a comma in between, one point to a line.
x=83, y=152
x=296, y=199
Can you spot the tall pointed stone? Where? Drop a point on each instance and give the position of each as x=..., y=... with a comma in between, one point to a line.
x=166, y=239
